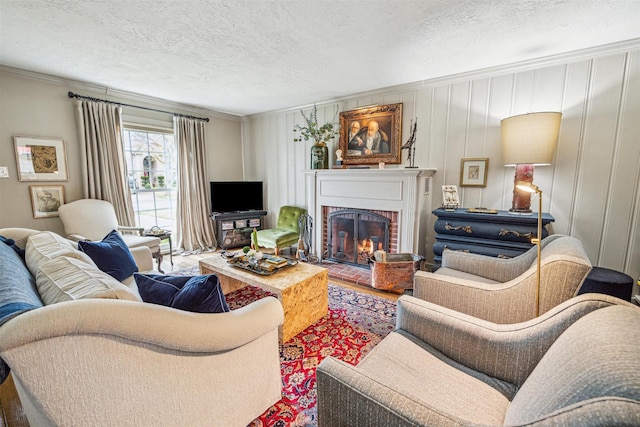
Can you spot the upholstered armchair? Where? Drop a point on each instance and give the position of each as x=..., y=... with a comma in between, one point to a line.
x=503, y=290
x=571, y=366
x=287, y=231
x=93, y=219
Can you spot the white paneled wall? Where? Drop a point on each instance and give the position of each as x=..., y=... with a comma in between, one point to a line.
x=592, y=187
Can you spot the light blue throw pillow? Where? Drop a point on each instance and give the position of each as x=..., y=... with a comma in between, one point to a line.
x=18, y=291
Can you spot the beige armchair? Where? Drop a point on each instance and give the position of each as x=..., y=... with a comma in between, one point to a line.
x=93, y=219
x=441, y=367
x=503, y=290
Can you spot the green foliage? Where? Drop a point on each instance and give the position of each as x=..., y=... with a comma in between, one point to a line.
x=319, y=134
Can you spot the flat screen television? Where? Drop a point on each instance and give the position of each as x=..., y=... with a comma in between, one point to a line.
x=236, y=196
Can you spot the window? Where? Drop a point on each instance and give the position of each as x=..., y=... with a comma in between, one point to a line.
x=152, y=167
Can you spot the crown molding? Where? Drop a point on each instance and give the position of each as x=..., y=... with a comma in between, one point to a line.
x=515, y=67
x=115, y=95
x=546, y=61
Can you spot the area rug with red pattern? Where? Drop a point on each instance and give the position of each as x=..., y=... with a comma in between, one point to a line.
x=356, y=322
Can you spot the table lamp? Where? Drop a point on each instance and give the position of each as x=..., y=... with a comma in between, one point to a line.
x=529, y=188
x=528, y=140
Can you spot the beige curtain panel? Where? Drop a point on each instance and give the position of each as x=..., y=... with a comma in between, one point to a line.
x=103, y=167
x=194, y=225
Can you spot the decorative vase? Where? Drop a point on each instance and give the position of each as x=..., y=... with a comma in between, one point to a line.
x=319, y=156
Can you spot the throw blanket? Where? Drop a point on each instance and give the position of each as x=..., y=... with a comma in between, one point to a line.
x=18, y=292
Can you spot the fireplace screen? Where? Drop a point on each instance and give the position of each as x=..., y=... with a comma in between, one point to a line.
x=353, y=235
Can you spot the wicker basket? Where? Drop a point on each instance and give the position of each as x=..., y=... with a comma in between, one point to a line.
x=395, y=273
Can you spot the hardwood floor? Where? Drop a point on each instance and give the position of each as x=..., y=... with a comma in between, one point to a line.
x=12, y=413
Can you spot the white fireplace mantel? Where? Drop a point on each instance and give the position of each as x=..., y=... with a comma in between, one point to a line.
x=406, y=191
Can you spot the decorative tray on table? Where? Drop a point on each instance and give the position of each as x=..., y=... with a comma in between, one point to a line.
x=266, y=266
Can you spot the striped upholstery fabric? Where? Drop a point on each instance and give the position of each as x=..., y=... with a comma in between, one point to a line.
x=493, y=269
x=598, y=381
x=445, y=368
x=564, y=266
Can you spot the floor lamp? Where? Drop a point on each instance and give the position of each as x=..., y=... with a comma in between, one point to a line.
x=530, y=188
x=528, y=140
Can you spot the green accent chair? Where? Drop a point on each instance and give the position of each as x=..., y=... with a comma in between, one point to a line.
x=287, y=231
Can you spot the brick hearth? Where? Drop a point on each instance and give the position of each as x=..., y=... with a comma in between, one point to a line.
x=348, y=273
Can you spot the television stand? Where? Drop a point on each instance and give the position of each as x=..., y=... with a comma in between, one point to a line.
x=233, y=229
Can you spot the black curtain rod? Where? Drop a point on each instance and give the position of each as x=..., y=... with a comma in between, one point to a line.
x=75, y=95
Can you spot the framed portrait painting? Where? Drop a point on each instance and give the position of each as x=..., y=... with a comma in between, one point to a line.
x=41, y=159
x=371, y=135
x=46, y=200
x=473, y=172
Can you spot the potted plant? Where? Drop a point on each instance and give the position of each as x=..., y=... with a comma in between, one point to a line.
x=320, y=135
x=161, y=181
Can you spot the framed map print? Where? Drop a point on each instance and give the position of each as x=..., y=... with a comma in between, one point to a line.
x=41, y=159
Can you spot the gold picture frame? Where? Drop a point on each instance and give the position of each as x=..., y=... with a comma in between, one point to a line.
x=46, y=200
x=473, y=172
x=377, y=138
x=41, y=159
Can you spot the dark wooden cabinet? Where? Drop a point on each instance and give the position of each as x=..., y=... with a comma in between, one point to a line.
x=501, y=234
x=233, y=229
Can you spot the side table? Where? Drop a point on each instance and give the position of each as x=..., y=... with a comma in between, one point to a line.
x=165, y=235
x=606, y=281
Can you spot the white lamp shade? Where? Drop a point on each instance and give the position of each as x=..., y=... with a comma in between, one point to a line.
x=530, y=138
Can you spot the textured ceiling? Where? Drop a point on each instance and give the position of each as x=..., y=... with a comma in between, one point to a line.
x=250, y=56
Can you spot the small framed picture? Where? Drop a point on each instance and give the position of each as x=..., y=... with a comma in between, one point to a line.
x=473, y=172
x=46, y=200
x=450, y=199
x=41, y=159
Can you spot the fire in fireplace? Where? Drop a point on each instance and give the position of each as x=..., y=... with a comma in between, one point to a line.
x=353, y=235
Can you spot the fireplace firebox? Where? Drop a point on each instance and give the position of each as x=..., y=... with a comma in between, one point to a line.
x=353, y=235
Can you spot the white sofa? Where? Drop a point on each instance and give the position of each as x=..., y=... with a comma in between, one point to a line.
x=109, y=359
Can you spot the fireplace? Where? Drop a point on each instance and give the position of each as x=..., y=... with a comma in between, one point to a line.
x=401, y=196
x=353, y=235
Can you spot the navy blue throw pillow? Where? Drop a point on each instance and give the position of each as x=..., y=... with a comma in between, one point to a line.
x=111, y=255
x=200, y=294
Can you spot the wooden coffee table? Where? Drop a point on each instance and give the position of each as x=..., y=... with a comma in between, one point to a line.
x=302, y=290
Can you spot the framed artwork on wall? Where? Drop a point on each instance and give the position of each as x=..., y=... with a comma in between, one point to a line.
x=371, y=135
x=46, y=200
x=41, y=159
x=473, y=172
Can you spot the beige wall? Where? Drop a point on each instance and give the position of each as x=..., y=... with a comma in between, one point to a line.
x=37, y=105
x=592, y=187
